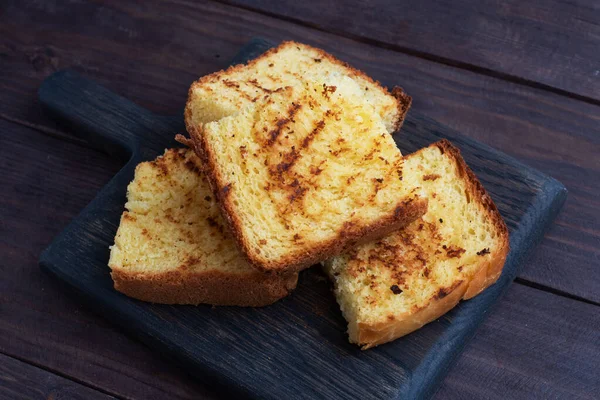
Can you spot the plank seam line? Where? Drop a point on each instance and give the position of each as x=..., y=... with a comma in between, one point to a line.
x=557, y=292
x=47, y=131
x=423, y=55
x=60, y=374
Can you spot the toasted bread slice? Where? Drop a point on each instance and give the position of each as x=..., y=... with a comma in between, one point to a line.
x=391, y=287
x=172, y=245
x=225, y=92
x=304, y=173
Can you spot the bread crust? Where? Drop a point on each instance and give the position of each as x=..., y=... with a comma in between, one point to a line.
x=370, y=335
x=403, y=100
x=218, y=288
x=404, y=214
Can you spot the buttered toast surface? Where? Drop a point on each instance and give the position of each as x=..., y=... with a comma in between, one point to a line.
x=292, y=64
x=173, y=247
x=395, y=285
x=306, y=172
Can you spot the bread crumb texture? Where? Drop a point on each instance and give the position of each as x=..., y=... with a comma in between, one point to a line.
x=307, y=167
x=393, y=286
x=172, y=245
x=291, y=64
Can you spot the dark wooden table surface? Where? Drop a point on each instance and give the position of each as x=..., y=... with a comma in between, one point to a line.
x=521, y=76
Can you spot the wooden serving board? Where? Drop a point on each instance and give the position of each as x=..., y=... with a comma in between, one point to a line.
x=298, y=347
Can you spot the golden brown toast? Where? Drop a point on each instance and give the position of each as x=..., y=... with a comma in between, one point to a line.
x=304, y=173
x=393, y=286
x=225, y=92
x=172, y=245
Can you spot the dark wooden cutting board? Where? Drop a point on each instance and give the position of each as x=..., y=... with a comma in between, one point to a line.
x=298, y=347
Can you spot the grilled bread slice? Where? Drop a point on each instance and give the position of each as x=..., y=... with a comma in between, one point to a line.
x=172, y=245
x=391, y=287
x=305, y=173
x=226, y=92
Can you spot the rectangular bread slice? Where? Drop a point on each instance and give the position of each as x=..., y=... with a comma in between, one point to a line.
x=306, y=172
x=172, y=246
x=290, y=64
x=393, y=286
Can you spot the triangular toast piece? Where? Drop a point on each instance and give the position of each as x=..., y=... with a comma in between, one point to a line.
x=393, y=286
x=172, y=245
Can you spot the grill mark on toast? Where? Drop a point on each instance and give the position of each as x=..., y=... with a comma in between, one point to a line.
x=316, y=171
x=274, y=134
x=431, y=177
x=311, y=136
x=297, y=191
x=282, y=123
x=247, y=96
x=231, y=84
x=291, y=157
x=282, y=171
x=256, y=84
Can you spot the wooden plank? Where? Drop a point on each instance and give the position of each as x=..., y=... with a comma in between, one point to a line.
x=40, y=321
x=19, y=380
x=557, y=135
x=533, y=345
x=552, y=44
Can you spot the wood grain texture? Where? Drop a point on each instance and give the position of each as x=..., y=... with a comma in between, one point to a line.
x=552, y=352
x=39, y=322
x=541, y=43
x=314, y=358
x=19, y=380
x=109, y=59
x=557, y=135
